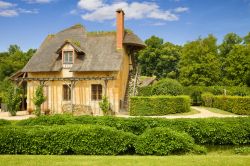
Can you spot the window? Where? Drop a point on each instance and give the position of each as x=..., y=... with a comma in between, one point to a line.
x=66, y=93
x=68, y=57
x=96, y=92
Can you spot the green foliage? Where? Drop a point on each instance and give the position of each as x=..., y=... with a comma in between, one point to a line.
x=235, y=104
x=213, y=131
x=199, y=63
x=195, y=92
x=57, y=140
x=165, y=141
x=167, y=87
x=38, y=99
x=158, y=105
x=12, y=99
x=145, y=91
x=159, y=59
x=4, y=122
x=242, y=150
x=104, y=105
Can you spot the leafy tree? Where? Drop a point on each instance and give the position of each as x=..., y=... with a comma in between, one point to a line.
x=159, y=59
x=38, y=99
x=237, y=66
x=228, y=43
x=246, y=39
x=199, y=64
x=104, y=105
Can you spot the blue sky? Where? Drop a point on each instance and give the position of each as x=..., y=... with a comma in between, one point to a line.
x=28, y=22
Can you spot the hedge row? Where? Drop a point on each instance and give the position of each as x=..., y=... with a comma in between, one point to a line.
x=158, y=105
x=213, y=131
x=195, y=92
x=235, y=104
x=86, y=140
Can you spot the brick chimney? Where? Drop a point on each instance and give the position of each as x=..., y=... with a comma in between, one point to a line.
x=119, y=28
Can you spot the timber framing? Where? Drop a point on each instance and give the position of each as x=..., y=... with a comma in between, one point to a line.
x=63, y=79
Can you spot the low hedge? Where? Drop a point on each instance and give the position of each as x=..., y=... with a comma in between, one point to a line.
x=165, y=141
x=57, y=140
x=4, y=122
x=195, y=92
x=145, y=91
x=158, y=105
x=213, y=131
x=235, y=104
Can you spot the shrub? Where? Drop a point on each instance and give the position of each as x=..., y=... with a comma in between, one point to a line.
x=213, y=131
x=86, y=140
x=104, y=105
x=145, y=91
x=158, y=105
x=207, y=99
x=4, y=122
x=13, y=100
x=165, y=141
x=167, y=87
x=242, y=150
x=38, y=99
x=235, y=104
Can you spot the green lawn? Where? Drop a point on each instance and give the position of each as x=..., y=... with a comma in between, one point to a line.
x=192, y=160
x=216, y=110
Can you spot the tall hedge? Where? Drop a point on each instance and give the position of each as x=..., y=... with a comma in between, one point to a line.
x=235, y=104
x=85, y=140
x=158, y=105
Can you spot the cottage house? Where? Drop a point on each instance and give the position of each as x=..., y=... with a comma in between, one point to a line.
x=77, y=68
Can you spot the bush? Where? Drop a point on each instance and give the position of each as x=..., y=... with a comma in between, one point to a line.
x=158, y=105
x=56, y=140
x=167, y=87
x=145, y=91
x=4, y=122
x=213, y=131
x=165, y=141
x=242, y=150
x=235, y=104
x=195, y=92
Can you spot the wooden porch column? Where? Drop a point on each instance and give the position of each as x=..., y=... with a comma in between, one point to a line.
x=72, y=86
x=105, y=87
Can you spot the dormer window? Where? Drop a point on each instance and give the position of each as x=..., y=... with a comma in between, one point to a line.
x=68, y=57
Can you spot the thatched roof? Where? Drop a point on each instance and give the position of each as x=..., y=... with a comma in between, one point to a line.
x=132, y=39
x=100, y=53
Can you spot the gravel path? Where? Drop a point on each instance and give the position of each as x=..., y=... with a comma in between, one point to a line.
x=204, y=113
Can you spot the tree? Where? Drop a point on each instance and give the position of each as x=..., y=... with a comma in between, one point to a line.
x=38, y=99
x=246, y=39
x=237, y=66
x=228, y=43
x=159, y=59
x=199, y=63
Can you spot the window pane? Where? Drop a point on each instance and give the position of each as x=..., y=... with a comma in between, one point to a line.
x=66, y=93
x=96, y=91
x=68, y=57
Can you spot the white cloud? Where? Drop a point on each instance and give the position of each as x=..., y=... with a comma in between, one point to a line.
x=5, y=5
x=181, y=9
x=8, y=13
x=90, y=4
x=98, y=10
x=10, y=10
x=158, y=24
x=38, y=1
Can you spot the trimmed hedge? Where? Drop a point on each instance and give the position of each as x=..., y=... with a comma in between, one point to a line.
x=57, y=140
x=195, y=92
x=213, y=131
x=235, y=104
x=158, y=105
x=165, y=141
x=4, y=122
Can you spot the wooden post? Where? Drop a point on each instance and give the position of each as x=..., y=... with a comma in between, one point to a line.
x=105, y=87
x=72, y=85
